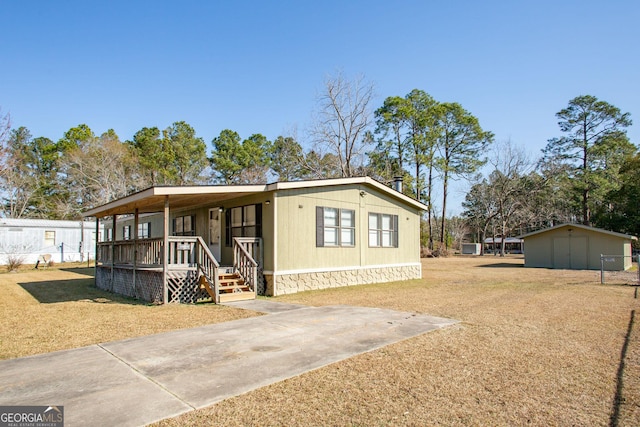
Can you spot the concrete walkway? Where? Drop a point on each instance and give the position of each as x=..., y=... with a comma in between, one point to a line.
x=142, y=380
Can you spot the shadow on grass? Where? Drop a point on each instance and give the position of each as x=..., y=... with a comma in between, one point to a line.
x=502, y=265
x=87, y=271
x=618, y=399
x=54, y=291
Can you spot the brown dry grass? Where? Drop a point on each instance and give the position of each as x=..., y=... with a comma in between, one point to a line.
x=57, y=309
x=534, y=347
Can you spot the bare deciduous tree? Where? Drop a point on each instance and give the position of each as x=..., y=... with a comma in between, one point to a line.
x=511, y=165
x=480, y=210
x=5, y=126
x=342, y=119
x=97, y=173
x=457, y=228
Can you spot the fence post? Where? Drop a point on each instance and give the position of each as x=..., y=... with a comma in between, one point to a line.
x=601, y=269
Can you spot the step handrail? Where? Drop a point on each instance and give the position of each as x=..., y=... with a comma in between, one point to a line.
x=244, y=263
x=208, y=266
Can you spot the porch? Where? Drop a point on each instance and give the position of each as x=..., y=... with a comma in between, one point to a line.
x=137, y=268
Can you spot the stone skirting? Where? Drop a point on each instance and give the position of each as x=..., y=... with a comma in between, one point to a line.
x=299, y=282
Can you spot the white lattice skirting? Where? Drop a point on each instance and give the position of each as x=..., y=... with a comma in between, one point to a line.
x=182, y=286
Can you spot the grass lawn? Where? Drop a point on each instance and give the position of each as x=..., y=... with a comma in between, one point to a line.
x=534, y=347
x=59, y=308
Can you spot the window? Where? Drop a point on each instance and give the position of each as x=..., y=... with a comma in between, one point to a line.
x=383, y=230
x=243, y=221
x=49, y=238
x=109, y=235
x=126, y=232
x=144, y=230
x=184, y=225
x=335, y=227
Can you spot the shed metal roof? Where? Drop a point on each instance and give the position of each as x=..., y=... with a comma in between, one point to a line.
x=583, y=227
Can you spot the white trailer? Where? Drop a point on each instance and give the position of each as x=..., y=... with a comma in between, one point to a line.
x=31, y=239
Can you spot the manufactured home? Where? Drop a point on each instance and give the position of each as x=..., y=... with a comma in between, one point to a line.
x=512, y=245
x=577, y=247
x=59, y=241
x=182, y=244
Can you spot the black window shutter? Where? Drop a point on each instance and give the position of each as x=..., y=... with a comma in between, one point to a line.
x=227, y=227
x=395, y=231
x=259, y=220
x=319, y=226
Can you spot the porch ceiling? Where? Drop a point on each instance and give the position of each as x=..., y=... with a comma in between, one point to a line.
x=152, y=199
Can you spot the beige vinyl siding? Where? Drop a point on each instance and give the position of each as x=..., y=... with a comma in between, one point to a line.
x=296, y=228
x=155, y=220
x=408, y=249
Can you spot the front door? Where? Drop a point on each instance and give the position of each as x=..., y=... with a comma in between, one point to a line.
x=214, y=232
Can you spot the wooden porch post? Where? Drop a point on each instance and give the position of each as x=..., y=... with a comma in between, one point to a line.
x=95, y=261
x=113, y=248
x=165, y=251
x=135, y=251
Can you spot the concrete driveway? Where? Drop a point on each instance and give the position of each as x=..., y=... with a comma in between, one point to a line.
x=142, y=380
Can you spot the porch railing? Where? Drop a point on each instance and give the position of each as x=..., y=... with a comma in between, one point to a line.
x=254, y=247
x=208, y=266
x=185, y=252
x=245, y=264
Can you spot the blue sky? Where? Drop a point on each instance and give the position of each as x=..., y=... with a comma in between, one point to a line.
x=257, y=67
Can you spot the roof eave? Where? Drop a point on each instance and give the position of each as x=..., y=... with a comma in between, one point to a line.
x=291, y=185
x=584, y=227
x=128, y=203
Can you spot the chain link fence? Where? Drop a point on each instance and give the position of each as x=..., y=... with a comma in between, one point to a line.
x=620, y=269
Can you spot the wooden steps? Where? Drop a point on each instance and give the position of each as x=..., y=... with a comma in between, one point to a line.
x=204, y=284
x=237, y=296
x=231, y=287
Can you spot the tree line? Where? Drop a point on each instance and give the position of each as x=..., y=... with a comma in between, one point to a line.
x=589, y=174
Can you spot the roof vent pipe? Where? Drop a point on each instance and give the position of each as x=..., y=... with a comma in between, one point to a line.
x=397, y=183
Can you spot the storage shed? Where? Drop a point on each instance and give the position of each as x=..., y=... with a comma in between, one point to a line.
x=471, y=249
x=577, y=247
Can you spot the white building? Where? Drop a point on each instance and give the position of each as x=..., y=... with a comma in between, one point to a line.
x=65, y=241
